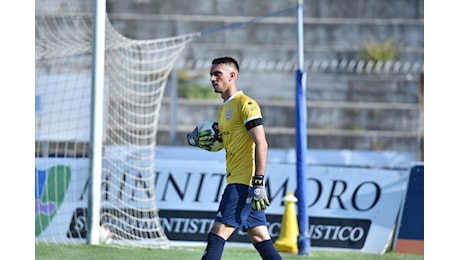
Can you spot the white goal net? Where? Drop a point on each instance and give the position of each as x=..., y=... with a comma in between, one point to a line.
x=136, y=72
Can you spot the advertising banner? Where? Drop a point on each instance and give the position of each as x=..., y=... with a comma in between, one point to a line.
x=409, y=237
x=349, y=208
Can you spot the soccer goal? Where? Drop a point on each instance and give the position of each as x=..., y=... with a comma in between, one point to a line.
x=136, y=72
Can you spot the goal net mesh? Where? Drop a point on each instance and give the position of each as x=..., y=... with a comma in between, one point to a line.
x=136, y=72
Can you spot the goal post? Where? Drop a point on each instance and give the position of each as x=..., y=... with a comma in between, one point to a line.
x=135, y=75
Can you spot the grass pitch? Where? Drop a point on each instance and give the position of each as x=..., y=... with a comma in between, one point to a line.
x=83, y=251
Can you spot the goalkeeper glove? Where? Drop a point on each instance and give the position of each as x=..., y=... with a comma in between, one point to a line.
x=258, y=195
x=203, y=139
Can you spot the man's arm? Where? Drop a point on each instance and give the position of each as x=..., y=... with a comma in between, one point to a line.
x=258, y=195
x=258, y=135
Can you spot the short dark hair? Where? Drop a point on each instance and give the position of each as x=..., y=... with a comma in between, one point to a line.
x=227, y=60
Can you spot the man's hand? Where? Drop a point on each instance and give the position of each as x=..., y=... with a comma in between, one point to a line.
x=203, y=139
x=258, y=194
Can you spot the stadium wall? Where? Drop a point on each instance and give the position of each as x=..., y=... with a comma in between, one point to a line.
x=335, y=32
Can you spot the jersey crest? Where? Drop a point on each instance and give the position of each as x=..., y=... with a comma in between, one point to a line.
x=228, y=113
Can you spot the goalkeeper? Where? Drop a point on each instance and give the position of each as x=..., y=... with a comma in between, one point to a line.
x=244, y=199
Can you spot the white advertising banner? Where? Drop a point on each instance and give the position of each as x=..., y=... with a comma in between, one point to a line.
x=349, y=208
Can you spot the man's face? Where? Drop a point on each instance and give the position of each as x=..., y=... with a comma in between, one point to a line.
x=219, y=76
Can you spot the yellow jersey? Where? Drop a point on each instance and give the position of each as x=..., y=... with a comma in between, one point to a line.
x=239, y=146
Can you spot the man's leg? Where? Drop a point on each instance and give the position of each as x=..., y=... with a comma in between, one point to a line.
x=216, y=240
x=229, y=212
x=215, y=247
x=261, y=240
x=267, y=250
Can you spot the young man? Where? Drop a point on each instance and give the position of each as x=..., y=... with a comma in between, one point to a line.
x=244, y=199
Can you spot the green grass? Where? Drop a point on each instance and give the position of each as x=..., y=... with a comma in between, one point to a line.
x=83, y=251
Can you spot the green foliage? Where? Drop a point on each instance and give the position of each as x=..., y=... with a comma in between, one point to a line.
x=191, y=90
x=375, y=113
x=188, y=88
x=379, y=51
x=355, y=128
x=183, y=76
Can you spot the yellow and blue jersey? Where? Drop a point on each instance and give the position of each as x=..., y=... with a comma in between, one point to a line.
x=239, y=146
